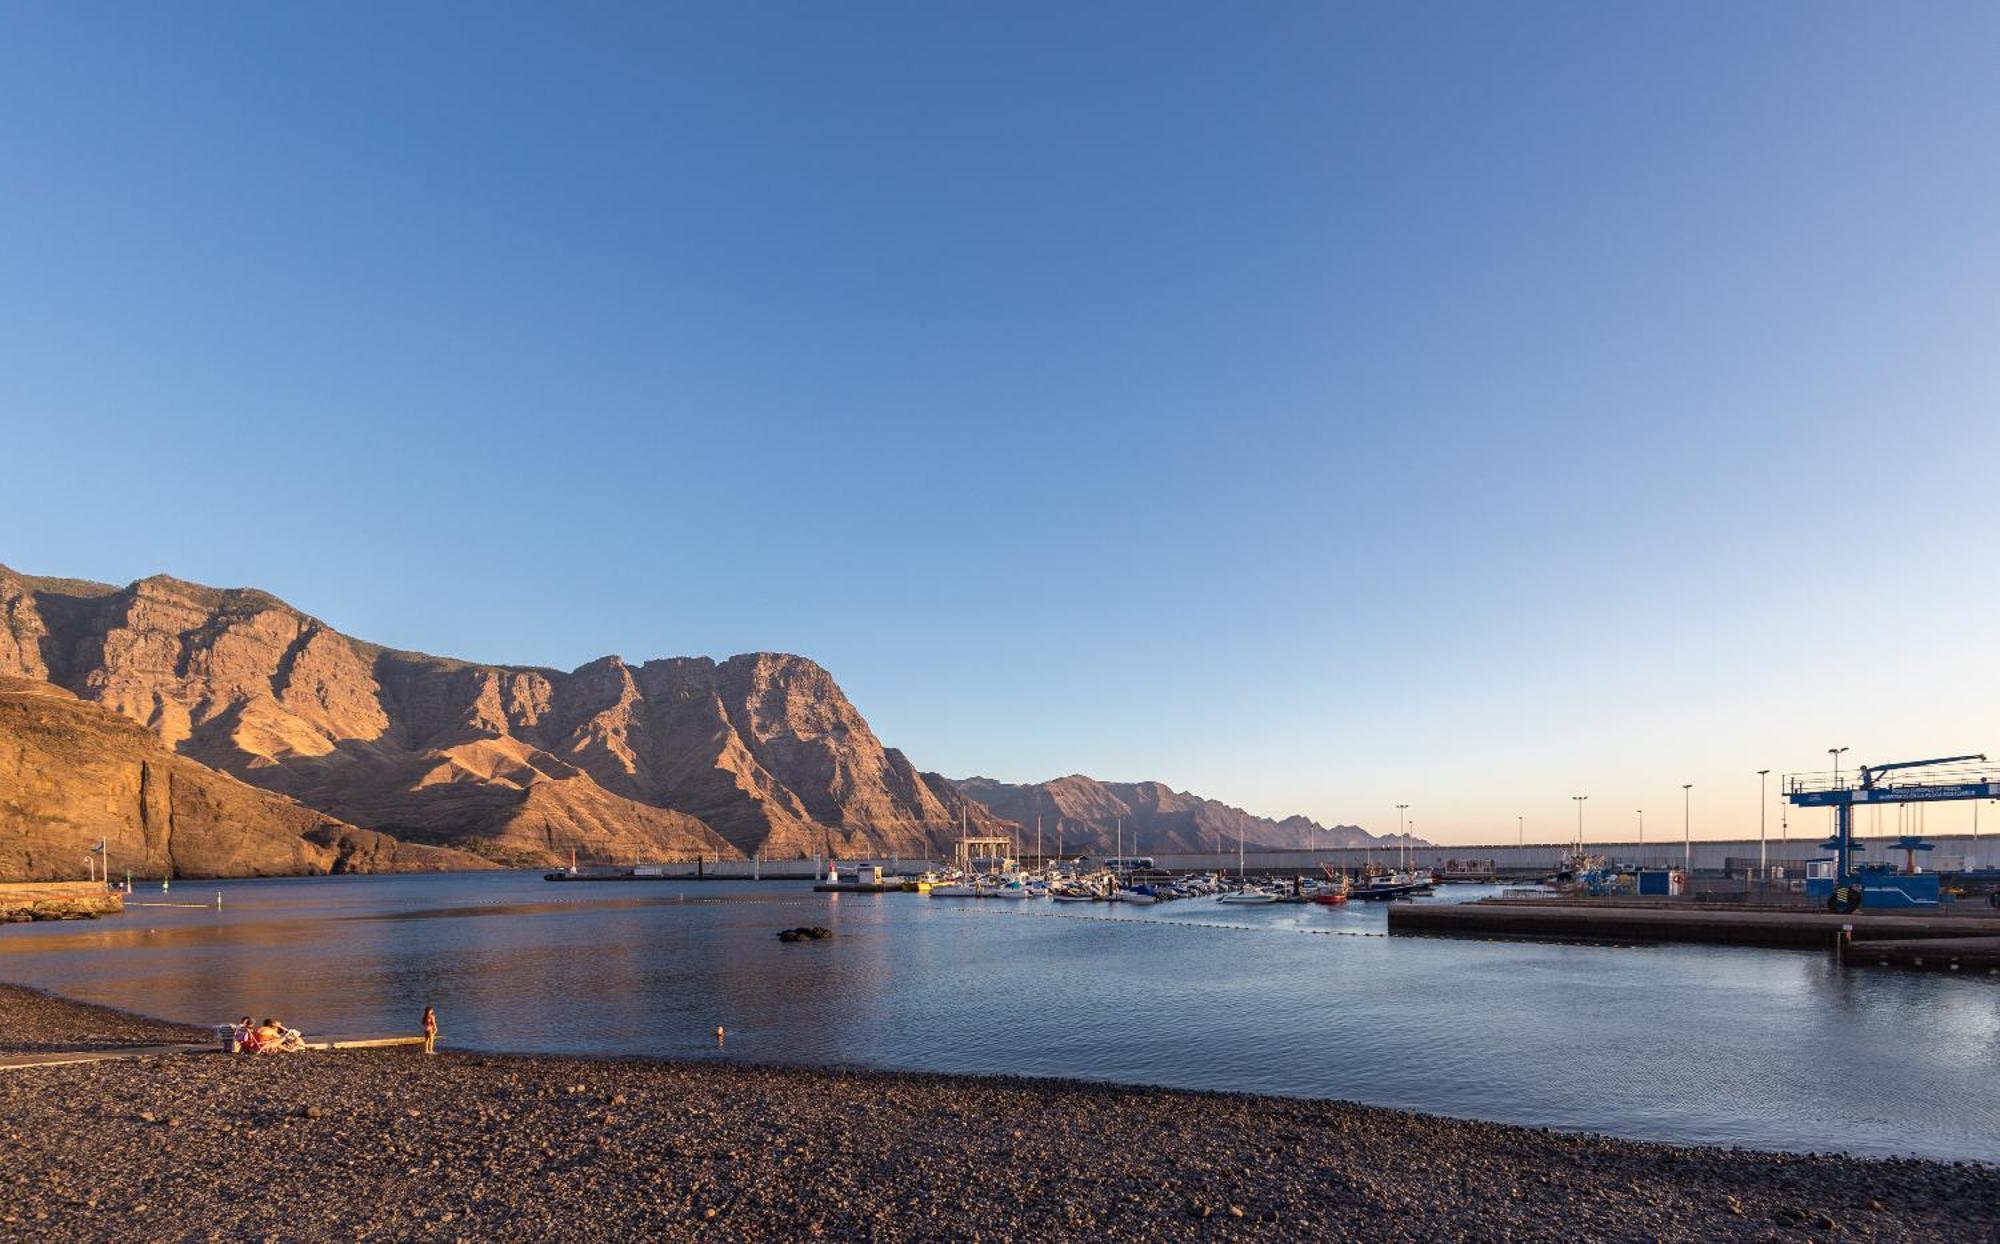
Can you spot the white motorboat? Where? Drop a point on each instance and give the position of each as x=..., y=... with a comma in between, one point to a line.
x=1247, y=897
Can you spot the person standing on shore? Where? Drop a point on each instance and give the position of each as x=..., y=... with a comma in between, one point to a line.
x=430, y=1029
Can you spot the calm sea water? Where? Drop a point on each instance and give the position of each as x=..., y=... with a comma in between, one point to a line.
x=1716, y=1045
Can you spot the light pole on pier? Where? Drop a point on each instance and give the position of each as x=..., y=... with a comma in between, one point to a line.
x=1834, y=813
x=1401, y=833
x=1521, y=831
x=1579, y=821
x=1763, y=801
x=1642, y=831
x=1687, y=826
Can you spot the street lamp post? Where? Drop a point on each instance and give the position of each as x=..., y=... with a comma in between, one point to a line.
x=1833, y=814
x=1402, y=835
x=1521, y=827
x=1579, y=821
x=1763, y=801
x=1642, y=831
x=1687, y=827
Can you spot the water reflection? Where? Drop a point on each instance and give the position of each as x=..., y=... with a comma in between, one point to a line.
x=1705, y=1044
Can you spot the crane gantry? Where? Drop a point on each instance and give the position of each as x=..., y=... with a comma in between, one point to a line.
x=1969, y=780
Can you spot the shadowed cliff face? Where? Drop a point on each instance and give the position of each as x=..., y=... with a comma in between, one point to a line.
x=759, y=754
x=1156, y=818
x=72, y=773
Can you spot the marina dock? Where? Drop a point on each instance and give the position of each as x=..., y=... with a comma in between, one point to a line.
x=1913, y=940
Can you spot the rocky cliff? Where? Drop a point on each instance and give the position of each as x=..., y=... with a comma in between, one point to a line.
x=1156, y=818
x=758, y=754
x=73, y=773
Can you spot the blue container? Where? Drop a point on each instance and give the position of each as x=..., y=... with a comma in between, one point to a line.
x=1656, y=881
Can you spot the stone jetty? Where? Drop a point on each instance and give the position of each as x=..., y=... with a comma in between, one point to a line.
x=57, y=900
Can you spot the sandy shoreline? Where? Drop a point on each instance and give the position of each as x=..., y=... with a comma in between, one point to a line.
x=392, y=1145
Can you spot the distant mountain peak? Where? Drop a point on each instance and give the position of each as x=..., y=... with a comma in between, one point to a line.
x=1153, y=817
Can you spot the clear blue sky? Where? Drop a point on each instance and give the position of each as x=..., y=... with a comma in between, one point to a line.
x=1320, y=407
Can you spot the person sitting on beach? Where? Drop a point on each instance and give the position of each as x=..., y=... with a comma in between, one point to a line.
x=264, y=1039
x=274, y=1038
x=240, y=1032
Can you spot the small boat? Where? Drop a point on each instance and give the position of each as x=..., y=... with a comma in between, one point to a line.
x=1138, y=894
x=1248, y=897
x=955, y=890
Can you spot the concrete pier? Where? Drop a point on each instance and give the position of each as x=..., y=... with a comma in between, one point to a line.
x=1951, y=954
x=1586, y=921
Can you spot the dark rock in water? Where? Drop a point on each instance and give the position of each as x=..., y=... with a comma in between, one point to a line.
x=788, y=935
x=804, y=933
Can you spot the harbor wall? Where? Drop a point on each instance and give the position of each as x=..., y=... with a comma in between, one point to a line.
x=799, y=870
x=1954, y=852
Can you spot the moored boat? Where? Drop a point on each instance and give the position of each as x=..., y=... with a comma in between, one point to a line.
x=1248, y=897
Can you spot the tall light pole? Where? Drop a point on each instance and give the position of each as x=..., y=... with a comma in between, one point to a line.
x=1763, y=801
x=1521, y=827
x=1579, y=821
x=1642, y=831
x=1833, y=814
x=1687, y=826
x=1402, y=835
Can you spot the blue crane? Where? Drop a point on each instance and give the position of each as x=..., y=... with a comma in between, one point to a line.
x=1828, y=791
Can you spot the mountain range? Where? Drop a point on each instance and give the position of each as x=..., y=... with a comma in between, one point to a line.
x=331, y=752
x=1149, y=817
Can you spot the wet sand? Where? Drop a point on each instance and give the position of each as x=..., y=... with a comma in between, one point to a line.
x=394, y=1145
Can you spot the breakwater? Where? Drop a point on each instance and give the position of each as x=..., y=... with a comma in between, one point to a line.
x=23, y=901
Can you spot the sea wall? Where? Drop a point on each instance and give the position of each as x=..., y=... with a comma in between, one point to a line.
x=57, y=900
x=1954, y=852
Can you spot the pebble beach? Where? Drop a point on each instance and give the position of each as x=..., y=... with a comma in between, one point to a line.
x=378, y=1145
